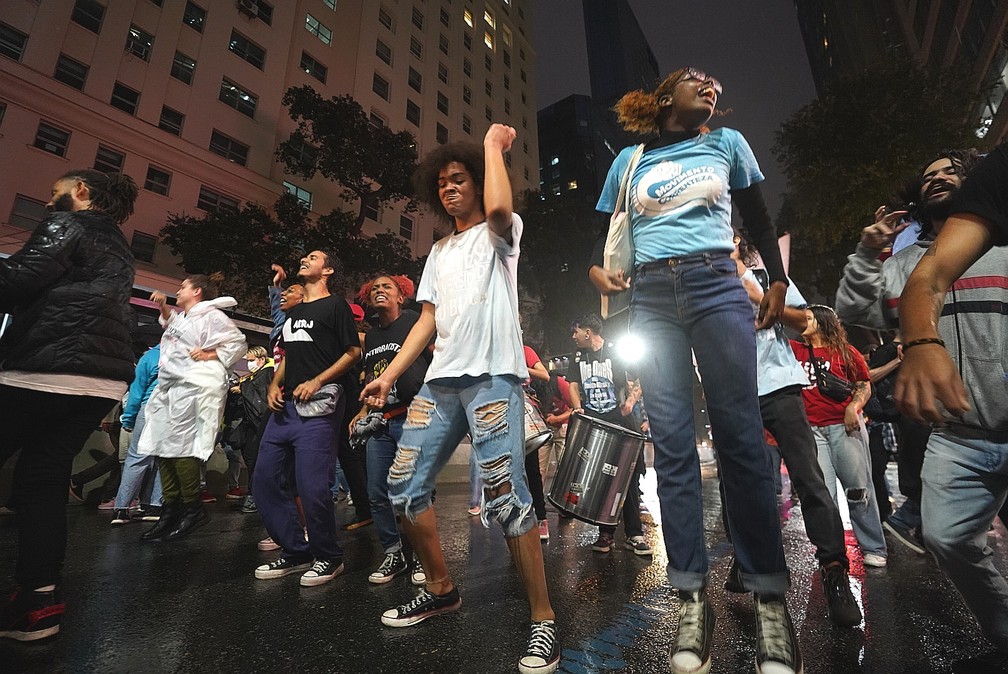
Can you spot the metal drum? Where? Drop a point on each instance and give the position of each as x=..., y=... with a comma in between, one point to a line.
x=537, y=433
x=597, y=468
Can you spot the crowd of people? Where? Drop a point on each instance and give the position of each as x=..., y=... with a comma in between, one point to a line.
x=386, y=404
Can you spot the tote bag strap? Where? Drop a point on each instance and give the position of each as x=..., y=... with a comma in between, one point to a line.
x=621, y=198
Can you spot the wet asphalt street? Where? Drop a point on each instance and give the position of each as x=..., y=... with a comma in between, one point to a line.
x=195, y=606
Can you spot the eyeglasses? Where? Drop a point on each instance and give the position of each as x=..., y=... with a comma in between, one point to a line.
x=701, y=76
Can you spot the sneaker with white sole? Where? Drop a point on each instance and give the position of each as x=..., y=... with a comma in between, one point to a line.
x=543, y=530
x=393, y=565
x=691, y=651
x=278, y=568
x=423, y=606
x=418, y=576
x=542, y=655
x=776, y=645
x=908, y=537
x=874, y=561
x=321, y=572
x=267, y=545
x=122, y=516
x=603, y=543
x=638, y=545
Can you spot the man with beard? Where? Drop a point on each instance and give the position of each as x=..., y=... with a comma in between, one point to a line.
x=66, y=360
x=868, y=295
x=307, y=395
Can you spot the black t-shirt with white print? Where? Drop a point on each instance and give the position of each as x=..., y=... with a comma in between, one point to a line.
x=381, y=345
x=601, y=377
x=315, y=335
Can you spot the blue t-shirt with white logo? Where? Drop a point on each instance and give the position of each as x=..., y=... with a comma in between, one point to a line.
x=679, y=200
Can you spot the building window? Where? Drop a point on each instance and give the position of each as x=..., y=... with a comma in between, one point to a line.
x=171, y=121
x=157, y=181
x=125, y=98
x=377, y=120
x=412, y=112
x=489, y=114
x=442, y=103
x=467, y=124
x=507, y=57
x=506, y=36
x=139, y=42
x=12, y=42
x=406, y=228
x=243, y=101
x=467, y=94
x=418, y=18
x=52, y=139
x=313, y=67
x=524, y=122
x=70, y=71
x=415, y=80
x=442, y=73
x=488, y=39
x=319, y=30
x=489, y=18
x=467, y=41
x=521, y=53
x=526, y=173
x=183, y=67
x=385, y=19
x=380, y=86
x=441, y=133
x=443, y=45
x=248, y=50
x=302, y=152
x=331, y=4
x=507, y=106
x=194, y=17
x=488, y=88
x=445, y=18
x=304, y=197
x=524, y=78
x=383, y=51
x=415, y=47
x=108, y=160
x=467, y=17
x=89, y=14
x=467, y=67
x=228, y=148
x=3, y=111
x=263, y=11
x=507, y=83
x=488, y=63
x=27, y=213
x=143, y=246
x=525, y=146
x=371, y=212
x=213, y=202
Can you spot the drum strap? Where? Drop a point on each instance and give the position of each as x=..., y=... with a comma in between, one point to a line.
x=393, y=413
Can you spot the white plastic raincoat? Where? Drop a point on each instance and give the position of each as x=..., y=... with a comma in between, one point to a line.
x=184, y=412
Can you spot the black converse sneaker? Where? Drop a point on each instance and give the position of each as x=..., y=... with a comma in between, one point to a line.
x=393, y=565
x=31, y=615
x=776, y=645
x=423, y=606
x=691, y=652
x=543, y=653
x=321, y=572
x=840, y=604
x=278, y=568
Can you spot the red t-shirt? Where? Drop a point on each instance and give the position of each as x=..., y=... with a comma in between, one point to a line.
x=823, y=411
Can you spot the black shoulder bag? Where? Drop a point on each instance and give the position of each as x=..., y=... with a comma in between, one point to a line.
x=830, y=385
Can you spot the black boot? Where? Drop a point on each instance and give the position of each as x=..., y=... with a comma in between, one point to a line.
x=171, y=515
x=194, y=516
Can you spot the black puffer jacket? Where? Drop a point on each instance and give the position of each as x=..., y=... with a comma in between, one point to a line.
x=68, y=290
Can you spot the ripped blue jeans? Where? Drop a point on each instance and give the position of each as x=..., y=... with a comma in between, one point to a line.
x=492, y=410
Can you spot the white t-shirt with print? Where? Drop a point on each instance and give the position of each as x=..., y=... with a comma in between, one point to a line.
x=471, y=278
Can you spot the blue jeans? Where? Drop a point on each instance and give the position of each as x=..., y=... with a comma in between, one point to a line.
x=134, y=471
x=965, y=482
x=844, y=455
x=492, y=410
x=381, y=451
x=700, y=304
x=306, y=448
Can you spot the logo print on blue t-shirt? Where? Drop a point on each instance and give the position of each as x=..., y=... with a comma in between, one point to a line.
x=667, y=187
x=601, y=394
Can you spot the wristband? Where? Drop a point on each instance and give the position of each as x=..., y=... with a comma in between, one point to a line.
x=926, y=340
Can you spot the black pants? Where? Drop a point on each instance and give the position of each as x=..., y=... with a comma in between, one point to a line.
x=354, y=463
x=879, y=459
x=250, y=450
x=784, y=416
x=109, y=465
x=49, y=429
x=535, y=484
x=631, y=505
x=913, y=439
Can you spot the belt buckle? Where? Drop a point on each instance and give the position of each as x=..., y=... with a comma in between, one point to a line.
x=672, y=262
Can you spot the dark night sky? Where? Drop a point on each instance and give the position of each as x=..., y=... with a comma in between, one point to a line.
x=754, y=48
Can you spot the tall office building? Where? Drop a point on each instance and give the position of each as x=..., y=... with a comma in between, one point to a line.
x=844, y=36
x=185, y=97
x=619, y=56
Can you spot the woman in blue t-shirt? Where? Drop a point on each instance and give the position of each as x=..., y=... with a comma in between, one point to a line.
x=687, y=297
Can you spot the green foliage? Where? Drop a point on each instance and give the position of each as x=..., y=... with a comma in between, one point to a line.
x=555, y=252
x=845, y=153
x=245, y=243
x=335, y=138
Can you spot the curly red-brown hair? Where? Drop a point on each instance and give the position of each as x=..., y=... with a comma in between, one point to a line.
x=403, y=282
x=638, y=111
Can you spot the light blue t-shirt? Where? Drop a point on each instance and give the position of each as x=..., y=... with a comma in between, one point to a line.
x=776, y=365
x=679, y=201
